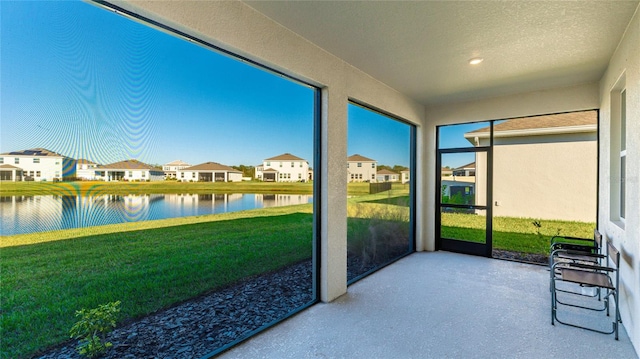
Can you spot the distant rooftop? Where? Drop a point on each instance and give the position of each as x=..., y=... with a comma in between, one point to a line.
x=468, y=165
x=83, y=161
x=285, y=157
x=386, y=172
x=34, y=152
x=129, y=165
x=358, y=158
x=211, y=166
x=571, y=119
x=177, y=163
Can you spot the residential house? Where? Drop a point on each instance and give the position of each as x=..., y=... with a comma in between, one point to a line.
x=86, y=170
x=421, y=72
x=468, y=170
x=173, y=166
x=129, y=170
x=387, y=176
x=283, y=168
x=209, y=172
x=405, y=176
x=361, y=169
x=542, y=166
x=36, y=164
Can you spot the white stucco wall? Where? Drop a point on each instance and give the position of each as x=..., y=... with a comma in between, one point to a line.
x=546, y=180
x=237, y=27
x=49, y=167
x=626, y=237
x=289, y=171
x=367, y=170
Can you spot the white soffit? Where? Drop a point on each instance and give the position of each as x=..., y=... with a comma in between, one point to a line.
x=423, y=48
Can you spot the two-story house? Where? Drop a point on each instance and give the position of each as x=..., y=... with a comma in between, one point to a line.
x=361, y=169
x=36, y=164
x=283, y=168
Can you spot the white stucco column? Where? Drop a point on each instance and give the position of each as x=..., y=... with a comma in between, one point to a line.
x=333, y=216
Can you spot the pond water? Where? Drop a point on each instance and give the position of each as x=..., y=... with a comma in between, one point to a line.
x=28, y=214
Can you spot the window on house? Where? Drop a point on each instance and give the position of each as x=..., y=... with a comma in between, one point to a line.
x=1, y=160
x=359, y=164
x=292, y=164
x=373, y=176
x=143, y=174
x=623, y=151
x=618, y=162
x=36, y=160
x=373, y=165
x=37, y=173
x=130, y=174
x=181, y=174
x=268, y=163
x=16, y=161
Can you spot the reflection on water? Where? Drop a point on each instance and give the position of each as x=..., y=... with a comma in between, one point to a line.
x=27, y=214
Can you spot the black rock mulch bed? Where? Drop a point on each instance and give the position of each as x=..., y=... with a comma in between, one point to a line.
x=521, y=257
x=198, y=327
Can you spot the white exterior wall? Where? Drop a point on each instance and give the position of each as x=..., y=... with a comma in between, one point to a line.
x=368, y=170
x=86, y=171
x=625, y=236
x=542, y=176
x=50, y=167
x=288, y=172
x=382, y=178
x=234, y=177
x=406, y=176
x=238, y=28
x=546, y=180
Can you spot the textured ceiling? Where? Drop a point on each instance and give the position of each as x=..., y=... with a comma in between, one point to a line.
x=422, y=48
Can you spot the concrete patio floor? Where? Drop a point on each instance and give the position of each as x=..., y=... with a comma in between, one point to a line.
x=438, y=305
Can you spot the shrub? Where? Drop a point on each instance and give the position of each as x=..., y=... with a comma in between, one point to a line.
x=92, y=326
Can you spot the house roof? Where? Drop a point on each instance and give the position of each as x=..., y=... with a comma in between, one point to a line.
x=10, y=167
x=358, y=158
x=583, y=120
x=285, y=157
x=386, y=172
x=34, y=152
x=82, y=161
x=177, y=163
x=129, y=165
x=270, y=170
x=211, y=166
x=468, y=165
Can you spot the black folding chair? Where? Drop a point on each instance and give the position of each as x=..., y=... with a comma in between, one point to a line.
x=573, y=249
x=589, y=275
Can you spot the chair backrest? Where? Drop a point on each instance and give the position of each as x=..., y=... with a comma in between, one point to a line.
x=614, y=254
x=597, y=238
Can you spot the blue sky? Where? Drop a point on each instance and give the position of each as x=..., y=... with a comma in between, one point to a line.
x=453, y=137
x=87, y=83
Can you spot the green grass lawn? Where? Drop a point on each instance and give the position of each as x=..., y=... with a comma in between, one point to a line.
x=43, y=284
x=512, y=234
x=96, y=188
